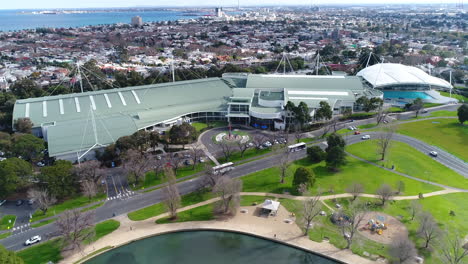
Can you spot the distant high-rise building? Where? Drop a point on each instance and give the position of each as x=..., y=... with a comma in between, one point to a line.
x=219, y=11
x=137, y=21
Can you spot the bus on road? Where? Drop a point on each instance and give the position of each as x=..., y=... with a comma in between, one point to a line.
x=223, y=168
x=297, y=147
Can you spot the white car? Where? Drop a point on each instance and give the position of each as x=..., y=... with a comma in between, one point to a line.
x=32, y=240
x=40, y=164
x=351, y=128
x=2, y=202
x=433, y=153
x=365, y=137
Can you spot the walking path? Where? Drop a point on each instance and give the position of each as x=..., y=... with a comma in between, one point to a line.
x=276, y=228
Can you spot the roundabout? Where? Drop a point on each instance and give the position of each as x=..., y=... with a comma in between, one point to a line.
x=235, y=136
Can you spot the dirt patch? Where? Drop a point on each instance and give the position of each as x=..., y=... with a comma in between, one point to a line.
x=393, y=228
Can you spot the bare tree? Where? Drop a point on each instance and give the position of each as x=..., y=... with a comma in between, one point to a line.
x=136, y=164
x=75, y=227
x=227, y=149
x=171, y=193
x=42, y=198
x=228, y=190
x=400, y=187
x=283, y=164
x=355, y=189
x=453, y=250
x=89, y=170
x=298, y=135
x=258, y=140
x=415, y=208
x=209, y=177
x=355, y=213
x=385, y=193
x=175, y=161
x=310, y=209
x=158, y=165
x=242, y=146
x=428, y=228
x=381, y=114
x=384, y=139
x=89, y=188
x=196, y=152
x=402, y=249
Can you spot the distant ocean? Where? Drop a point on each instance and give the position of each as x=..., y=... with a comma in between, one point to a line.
x=11, y=20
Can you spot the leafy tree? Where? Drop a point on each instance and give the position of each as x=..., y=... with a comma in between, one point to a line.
x=5, y=142
x=416, y=106
x=59, y=179
x=369, y=104
x=303, y=176
x=23, y=125
x=182, y=134
x=462, y=113
x=324, y=112
x=26, y=88
x=302, y=114
x=336, y=157
x=109, y=155
x=9, y=257
x=316, y=154
x=335, y=140
x=28, y=146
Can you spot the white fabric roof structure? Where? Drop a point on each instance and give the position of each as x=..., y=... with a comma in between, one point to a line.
x=387, y=74
x=271, y=205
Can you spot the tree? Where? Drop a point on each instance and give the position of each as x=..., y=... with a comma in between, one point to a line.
x=336, y=157
x=385, y=193
x=335, y=140
x=58, y=179
x=428, y=229
x=369, y=104
x=310, y=209
x=355, y=213
x=324, y=111
x=258, y=140
x=304, y=176
x=89, y=188
x=196, y=152
x=42, y=198
x=182, y=134
x=28, y=146
x=227, y=149
x=75, y=227
x=175, y=161
x=89, y=170
x=242, y=146
x=417, y=105
x=462, y=113
x=171, y=193
x=9, y=257
x=384, y=139
x=141, y=140
x=400, y=187
x=355, y=189
x=13, y=173
x=402, y=249
x=227, y=190
x=415, y=208
x=136, y=164
x=26, y=88
x=316, y=154
x=453, y=249
x=23, y=125
x=283, y=164
x=302, y=114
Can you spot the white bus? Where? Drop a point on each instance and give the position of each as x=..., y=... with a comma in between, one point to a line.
x=297, y=147
x=223, y=168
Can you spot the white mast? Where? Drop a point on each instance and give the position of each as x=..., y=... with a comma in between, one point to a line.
x=172, y=69
x=79, y=74
x=368, y=59
x=450, y=80
x=317, y=64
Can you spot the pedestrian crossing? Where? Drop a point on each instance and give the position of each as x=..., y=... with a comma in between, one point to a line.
x=20, y=229
x=126, y=194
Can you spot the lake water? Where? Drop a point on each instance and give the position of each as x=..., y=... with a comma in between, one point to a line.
x=207, y=247
x=11, y=20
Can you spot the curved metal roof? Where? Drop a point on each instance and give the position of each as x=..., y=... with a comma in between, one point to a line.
x=387, y=74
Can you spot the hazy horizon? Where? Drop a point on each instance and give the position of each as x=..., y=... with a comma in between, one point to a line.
x=56, y=4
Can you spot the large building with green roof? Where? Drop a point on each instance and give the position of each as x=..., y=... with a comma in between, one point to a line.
x=73, y=124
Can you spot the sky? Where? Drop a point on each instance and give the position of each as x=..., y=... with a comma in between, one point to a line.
x=50, y=4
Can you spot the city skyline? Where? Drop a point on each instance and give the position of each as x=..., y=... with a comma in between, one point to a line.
x=48, y=4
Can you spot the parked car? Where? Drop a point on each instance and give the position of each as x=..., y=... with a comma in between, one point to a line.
x=40, y=164
x=365, y=137
x=433, y=153
x=187, y=156
x=186, y=162
x=250, y=145
x=357, y=132
x=30, y=201
x=267, y=144
x=158, y=157
x=354, y=128
x=424, y=111
x=2, y=202
x=19, y=202
x=201, y=160
x=33, y=240
x=351, y=128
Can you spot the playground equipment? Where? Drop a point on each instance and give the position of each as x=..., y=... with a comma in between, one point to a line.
x=376, y=226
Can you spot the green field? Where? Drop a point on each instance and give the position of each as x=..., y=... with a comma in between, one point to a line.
x=457, y=96
x=7, y=222
x=42, y=253
x=159, y=208
x=409, y=161
x=104, y=228
x=5, y=235
x=444, y=133
x=202, y=213
x=66, y=205
x=42, y=223
x=370, y=176
x=248, y=154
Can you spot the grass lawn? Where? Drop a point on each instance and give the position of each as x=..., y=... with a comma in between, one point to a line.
x=457, y=96
x=202, y=213
x=444, y=133
x=7, y=222
x=409, y=161
x=93, y=207
x=42, y=253
x=152, y=180
x=427, y=105
x=5, y=235
x=159, y=208
x=307, y=140
x=248, y=154
x=199, y=126
x=43, y=223
x=248, y=200
x=368, y=175
x=104, y=228
x=443, y=113
x=394, y=109
x=66, y=205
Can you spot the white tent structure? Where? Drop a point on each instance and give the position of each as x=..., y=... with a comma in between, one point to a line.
x=271, y=205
